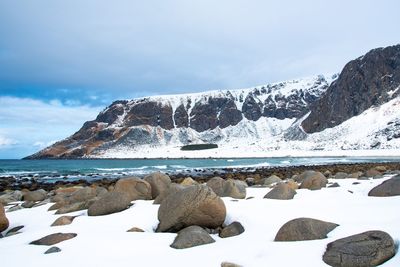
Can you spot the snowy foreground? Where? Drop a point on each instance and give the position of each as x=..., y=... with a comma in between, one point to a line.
x=103, y=240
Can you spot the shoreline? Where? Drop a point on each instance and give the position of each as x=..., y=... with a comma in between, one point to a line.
x=202, y=175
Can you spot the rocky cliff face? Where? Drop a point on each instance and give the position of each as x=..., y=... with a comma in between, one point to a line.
x=356, y=110
x=370, y=80
x=183, y=119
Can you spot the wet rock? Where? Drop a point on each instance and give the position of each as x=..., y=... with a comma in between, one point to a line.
x=194, y=205
x=233, y=229
x=53, y=239
x=388, y=188
x=110, y=203
x=190, y=237
x=370, y=248
x=304, y=229
x=134, y=187
x=281, y=191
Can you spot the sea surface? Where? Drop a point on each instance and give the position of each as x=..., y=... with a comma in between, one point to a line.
x=53, y=170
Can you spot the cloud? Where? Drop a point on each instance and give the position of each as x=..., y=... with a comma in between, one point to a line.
x=33, y=124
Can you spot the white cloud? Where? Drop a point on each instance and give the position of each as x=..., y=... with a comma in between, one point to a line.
x=29, y=125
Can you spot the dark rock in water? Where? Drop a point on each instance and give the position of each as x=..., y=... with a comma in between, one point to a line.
x=304, y=229
x=110, y=203
x=370, y=248
x=194, y=205
x=159, y=183
x=281, y=191
x=388, y=188
x=190, y=237
x=363, y=83
x=235, y=228
x=52, y=250
x=53, y=239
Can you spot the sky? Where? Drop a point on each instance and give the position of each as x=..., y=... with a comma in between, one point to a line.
x=61, y=62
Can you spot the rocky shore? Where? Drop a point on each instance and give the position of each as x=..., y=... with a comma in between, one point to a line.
x=347, y=212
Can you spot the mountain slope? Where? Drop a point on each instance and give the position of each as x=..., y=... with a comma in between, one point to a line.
x=359, y=109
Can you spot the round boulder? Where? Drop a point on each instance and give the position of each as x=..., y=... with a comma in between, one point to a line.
x=134, y=187
x=388, y=188
x=313, y=180
x=38, y=195
x=370, y=248
x=192, y=236
x=159, y=183
x=193, y=205
x=217, y=185
x=173, y=188
x=110, y=203
x=4, y=223
x=304, y=229
x=235, y=189
x=281, y=191
x=235, y=228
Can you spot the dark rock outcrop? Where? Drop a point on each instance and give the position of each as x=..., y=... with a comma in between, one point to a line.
x=367, y=81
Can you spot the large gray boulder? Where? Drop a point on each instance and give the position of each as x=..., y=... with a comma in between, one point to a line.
x=110, y=203
x=159, y=183
x=194, y=205
x=173, y=188
x=370, y=248
x=217, y=185
x=4, y=223
x=313, y=180
x=192, y=236
x=38, y=195
x=235, y=189
x=228, y=188
x=304, y=229
x=134, y=187
x=388, y=188
x=281, y=191
x=52, y=239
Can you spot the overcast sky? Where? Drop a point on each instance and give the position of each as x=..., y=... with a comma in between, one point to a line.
x=61, y=62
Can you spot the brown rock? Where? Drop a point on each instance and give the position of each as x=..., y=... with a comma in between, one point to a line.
x=37, y=195
x=304, y=229
x=194, y=205
x=134, y=187
x=173, y=188
x=4, y=223
x=313, y=180
x=53, y=239
x=235, y=228
x=159, y=183
x=281, y=191
x=110, y=203
x=136, y=229
x=188, y=181
x=63, y=220
x=388, y=188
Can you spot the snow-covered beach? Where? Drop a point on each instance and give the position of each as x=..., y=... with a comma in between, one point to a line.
x=104, y=240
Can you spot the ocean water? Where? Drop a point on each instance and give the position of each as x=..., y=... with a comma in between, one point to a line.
x=53, y=170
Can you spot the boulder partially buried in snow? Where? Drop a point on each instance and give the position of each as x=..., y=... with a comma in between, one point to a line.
x=159, y=183
x=53, y=239
x=281, y=191
x=4, y=223
x=388, y=188
x=134, y=187
x=233, y=229
x=370, y=248
x=194, y=205
x=110, y=203
x=192, y=236
x=313, y=180
x=228, y=188
x=304, y=229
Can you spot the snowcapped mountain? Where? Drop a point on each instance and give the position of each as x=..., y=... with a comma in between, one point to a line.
x=358, y=109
